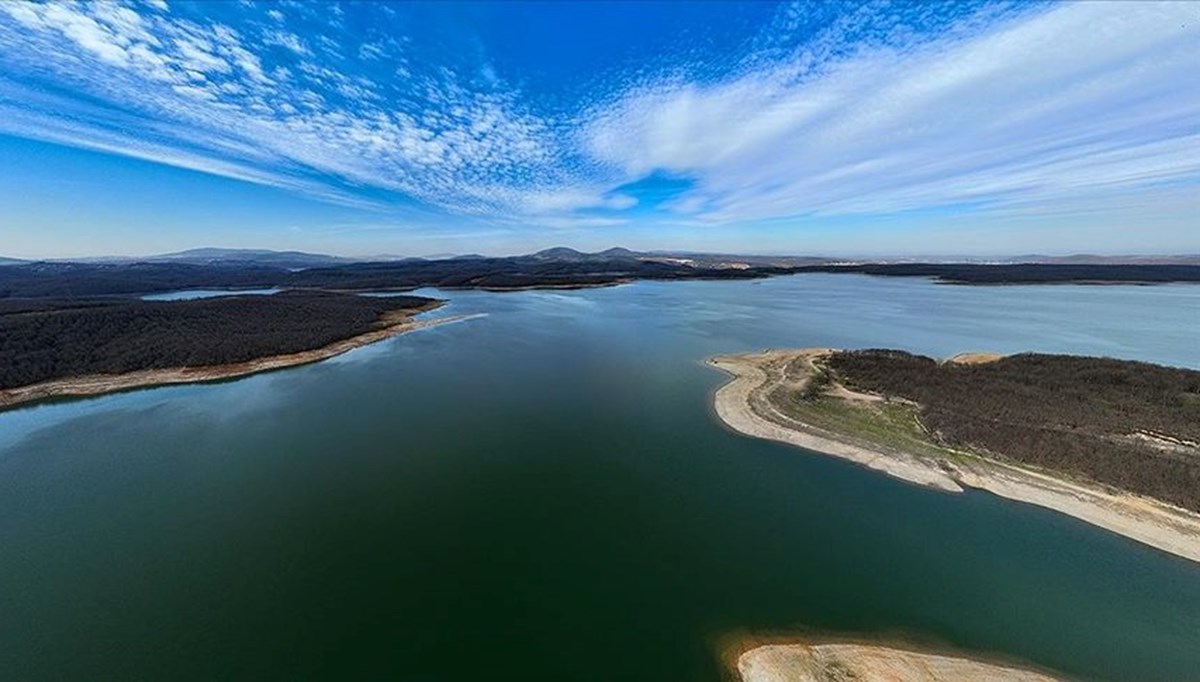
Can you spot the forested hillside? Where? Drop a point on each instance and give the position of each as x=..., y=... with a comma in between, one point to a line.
x=1131, y=425
x=43, y=340
x=552, y=268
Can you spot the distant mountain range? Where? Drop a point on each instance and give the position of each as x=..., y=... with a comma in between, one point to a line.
x=294, y=260
x=559, y=267
x=216, y=256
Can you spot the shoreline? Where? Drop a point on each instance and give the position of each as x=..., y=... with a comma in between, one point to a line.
x=93, y=385
x=834, y=659
x=740, y=404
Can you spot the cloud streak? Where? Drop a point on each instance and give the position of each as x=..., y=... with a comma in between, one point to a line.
x=1081, y=99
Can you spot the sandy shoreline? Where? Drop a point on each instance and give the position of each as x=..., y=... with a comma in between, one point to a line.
x=393, y=324
x=742, y=405
x=837, y=661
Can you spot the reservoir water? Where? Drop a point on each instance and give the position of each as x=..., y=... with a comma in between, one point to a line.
x=543, y=493
x=190, y=294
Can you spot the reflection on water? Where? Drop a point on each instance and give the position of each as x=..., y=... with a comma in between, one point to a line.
x=542, y=493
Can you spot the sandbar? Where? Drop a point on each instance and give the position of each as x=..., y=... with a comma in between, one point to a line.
x=834, y=661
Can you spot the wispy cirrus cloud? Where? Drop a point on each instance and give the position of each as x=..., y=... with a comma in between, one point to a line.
x=1073, y=100
x=860, y=109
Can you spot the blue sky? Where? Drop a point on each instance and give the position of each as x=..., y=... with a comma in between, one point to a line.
x=371, y=127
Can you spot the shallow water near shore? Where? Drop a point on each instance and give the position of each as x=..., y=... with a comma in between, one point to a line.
x=544, y=493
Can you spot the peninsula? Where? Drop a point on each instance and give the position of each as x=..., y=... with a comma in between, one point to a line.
x=1111, y=442
x=51, y=349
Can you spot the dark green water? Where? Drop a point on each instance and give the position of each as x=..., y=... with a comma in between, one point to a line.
x=543, y=494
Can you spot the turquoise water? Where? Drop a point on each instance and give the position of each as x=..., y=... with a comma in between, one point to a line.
x=543, y=493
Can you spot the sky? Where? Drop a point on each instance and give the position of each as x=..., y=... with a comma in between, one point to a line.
x=370, y=128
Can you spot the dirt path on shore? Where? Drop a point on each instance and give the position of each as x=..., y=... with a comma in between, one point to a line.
x=744, y=404
x=392, y=324
x=974, y=358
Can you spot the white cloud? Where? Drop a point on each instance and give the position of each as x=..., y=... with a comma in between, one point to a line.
x=288, y=40
x=1079, y=99
x=203, y=90
x=372, y=51
x=1010, y=112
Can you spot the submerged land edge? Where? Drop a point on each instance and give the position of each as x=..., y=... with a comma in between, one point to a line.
x=742, y=404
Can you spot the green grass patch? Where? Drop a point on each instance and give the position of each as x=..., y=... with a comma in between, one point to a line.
x=892, y=425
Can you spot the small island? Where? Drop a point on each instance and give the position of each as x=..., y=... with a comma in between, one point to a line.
x=841, y=661
x=60, y=348
x=1114, y=443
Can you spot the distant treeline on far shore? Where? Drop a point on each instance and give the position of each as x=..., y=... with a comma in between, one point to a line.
x=551, y=268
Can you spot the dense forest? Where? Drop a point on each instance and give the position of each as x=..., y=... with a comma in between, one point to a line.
x=51, y=339
x=74, y=280
x=556, y=267
x=80, y=280
x=1080, y=415
x=1024, y=273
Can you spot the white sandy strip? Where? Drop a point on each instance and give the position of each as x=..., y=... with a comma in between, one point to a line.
x=732, y=403
x=97, y=384
x=863, y=663
x=1149, y=521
